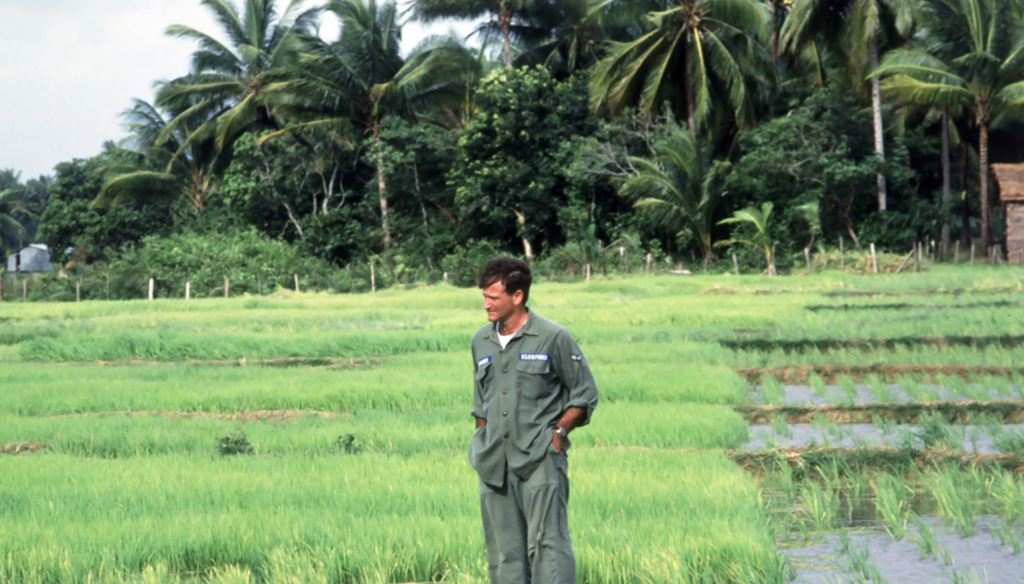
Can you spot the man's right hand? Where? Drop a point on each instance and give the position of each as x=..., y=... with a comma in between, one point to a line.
x=481, y=422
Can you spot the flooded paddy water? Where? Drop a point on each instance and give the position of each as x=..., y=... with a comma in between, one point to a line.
x=881, y=393
x=999, y=439
x=866, y=551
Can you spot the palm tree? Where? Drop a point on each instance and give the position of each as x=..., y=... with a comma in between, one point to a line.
x=853, y=28
x=761, y=239
x=509, y=17
x=684, y=54
x=362, y=78
x=680, y=186
x=223, y=94
x=179, y=168
x=12, y=233
x=984, y=74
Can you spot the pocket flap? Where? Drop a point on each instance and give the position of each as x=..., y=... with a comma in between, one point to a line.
x=535, y=367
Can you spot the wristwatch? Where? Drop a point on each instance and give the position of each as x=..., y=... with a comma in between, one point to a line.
x=561, y=432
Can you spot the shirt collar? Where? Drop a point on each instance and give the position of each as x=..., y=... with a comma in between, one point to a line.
x=527, y=328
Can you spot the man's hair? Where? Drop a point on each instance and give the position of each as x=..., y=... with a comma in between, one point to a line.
x=512, y=273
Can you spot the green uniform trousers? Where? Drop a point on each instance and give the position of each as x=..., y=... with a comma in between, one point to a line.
x=526, y=526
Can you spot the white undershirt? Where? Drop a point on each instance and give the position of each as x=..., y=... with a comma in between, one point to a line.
x=504, y=339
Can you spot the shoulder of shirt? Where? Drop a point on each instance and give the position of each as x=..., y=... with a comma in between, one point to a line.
x=546, y=326
x=483, y=332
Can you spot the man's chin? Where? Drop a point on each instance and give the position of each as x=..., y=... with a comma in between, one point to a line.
x=492, y=317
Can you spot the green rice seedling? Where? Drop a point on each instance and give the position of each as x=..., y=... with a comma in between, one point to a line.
x=884, y=425
x=1008, y=492
x=771, y=390
x=880, y=391
x=892, y=501
x=368, y=518
x=963, y=577
x=954, y=500
x=1010, y=442
x=924, y=537
x=780, y=427
x=817, y=385
x=935, y=432
x=1009, y=537
x=859, y=563
x=819, y=502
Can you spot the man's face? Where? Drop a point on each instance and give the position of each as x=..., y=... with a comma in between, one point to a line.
x=498, y=304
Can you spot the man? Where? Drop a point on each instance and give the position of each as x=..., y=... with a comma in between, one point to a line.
x=531, y=388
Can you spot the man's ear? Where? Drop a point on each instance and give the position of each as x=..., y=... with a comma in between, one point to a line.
x=517, y=297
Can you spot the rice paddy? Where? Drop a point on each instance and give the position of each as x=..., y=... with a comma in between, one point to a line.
x=320, y=438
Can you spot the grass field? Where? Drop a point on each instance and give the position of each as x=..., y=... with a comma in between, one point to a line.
x=359, y=474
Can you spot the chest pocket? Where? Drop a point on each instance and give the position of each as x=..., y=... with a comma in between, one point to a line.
x=533, y=378
x=481, y=371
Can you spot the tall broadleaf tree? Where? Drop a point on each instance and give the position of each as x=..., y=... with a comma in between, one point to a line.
x=855, y=28
x=978, y=65
x=223, y=94
x=362, y=78
x=688, y=55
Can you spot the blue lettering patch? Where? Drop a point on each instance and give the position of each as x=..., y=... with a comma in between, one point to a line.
x=577, y=358
x=485, y=361
x=534, y=357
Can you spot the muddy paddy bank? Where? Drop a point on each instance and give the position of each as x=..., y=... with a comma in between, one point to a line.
x=796, y=374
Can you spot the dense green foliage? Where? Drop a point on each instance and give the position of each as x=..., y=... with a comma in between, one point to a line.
x=423, y=163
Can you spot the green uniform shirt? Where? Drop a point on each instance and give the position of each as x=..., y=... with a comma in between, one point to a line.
x=522, y=391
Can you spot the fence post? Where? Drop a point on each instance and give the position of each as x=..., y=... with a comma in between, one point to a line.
x=972, y=253
x=444, y=277
x=648, y=268
x=24, y=290
x=956, y=253
x=188, y=291
x=259, y=285
x=151, y=288
x=874, y=259
x=807, y=256
x=842, y=259
x=735, y=264
x=917, y=257
x=296, y=282
x=373, y=278
x=78, y=291
x=108, y=283
x=587, y=269
x=227, y=286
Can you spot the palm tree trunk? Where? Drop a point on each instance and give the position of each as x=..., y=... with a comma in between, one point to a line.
x=382, y=189
x=945, y=180
x=505, y=17
x=876, y=110
x=527, y=247
x=773, y=44
x=965, y=207
x=688, y=88
x=986, y=213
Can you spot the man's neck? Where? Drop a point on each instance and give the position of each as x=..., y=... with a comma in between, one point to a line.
x=513, y=323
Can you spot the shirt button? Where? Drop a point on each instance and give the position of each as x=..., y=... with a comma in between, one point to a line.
x=504, y=370
x=506, y=434
x=504, y=392
x=503, y=414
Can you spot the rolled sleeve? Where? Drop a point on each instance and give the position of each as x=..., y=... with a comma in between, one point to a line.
x=574, y=373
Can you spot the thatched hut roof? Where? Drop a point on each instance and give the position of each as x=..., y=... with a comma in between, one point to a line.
x=1011, y=181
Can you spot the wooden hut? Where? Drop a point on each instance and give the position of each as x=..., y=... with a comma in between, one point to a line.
x=1010, y=178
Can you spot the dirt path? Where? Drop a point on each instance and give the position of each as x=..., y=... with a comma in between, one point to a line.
x=800, y=374
x=1011, y=412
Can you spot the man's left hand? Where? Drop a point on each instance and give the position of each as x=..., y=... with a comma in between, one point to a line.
x=556, y=441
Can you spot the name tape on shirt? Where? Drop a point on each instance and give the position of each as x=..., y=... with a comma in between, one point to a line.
x=482, y=362
x=577, y=358
x=534, y=357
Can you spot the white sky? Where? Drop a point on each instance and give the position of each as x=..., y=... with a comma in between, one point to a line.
x=68, y=68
